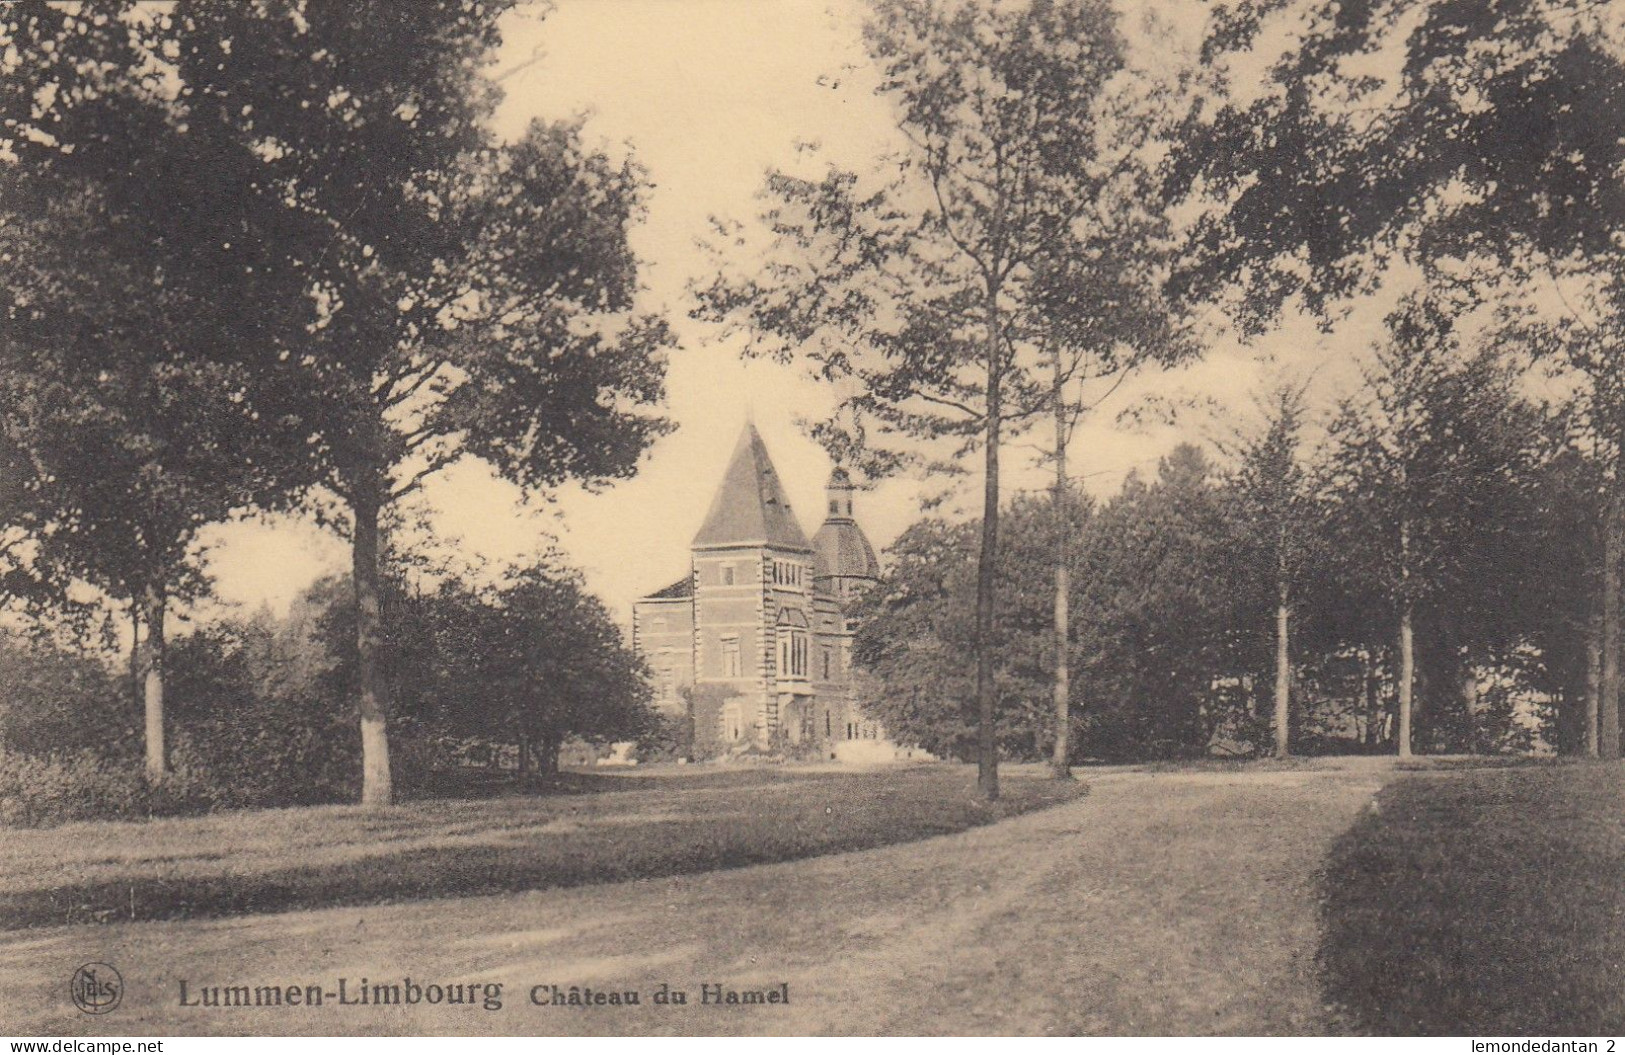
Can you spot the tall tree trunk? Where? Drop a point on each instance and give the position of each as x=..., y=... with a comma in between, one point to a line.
x=1407, y=677
x=1588, y=738
x=1283, y=673
x=154, y=601
x=1373, y=700
x=1061, y=762
x=1613, y=551
x=376, y=786
x=1407, y=643
x=1467, y=682
x=987, y=745
x=135, y=649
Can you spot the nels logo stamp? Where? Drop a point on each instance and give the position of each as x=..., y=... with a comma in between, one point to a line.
x=97, y=988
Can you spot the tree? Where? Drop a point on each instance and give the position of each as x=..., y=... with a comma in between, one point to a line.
x=1561, y=595
x=19, y=577
x=1488, y=149
x=128, y=425
x=1276, y=516
x=135, y=443
x=916, y=634
x=1426, y=471
x=59, y=701
x=1152, y=589
x=539, y=659
x=1104, y=317
x=260, y=705
x=916, y=627
x=1156, y=596
x=936, y=294
x=463, y=298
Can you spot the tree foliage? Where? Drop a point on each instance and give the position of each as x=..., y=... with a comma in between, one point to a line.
x=1176, y=579
x=123, y=366
x=1482, y=141
x=390, y=288
x=1001, y=233
x=533, y=662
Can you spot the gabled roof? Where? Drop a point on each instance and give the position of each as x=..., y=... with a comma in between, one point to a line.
x=751, y=507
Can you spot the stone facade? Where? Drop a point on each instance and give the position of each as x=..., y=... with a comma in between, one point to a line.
x=759, y=633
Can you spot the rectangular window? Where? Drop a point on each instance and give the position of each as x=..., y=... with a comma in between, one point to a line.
x=793, y=653
x=727, y=575
x=827, y=657
x=787, y=573
x=731, y=665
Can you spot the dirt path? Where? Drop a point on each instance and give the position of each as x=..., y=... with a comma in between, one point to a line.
x=1178, y=903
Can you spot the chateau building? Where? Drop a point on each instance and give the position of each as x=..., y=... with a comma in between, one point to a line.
x=760, y=628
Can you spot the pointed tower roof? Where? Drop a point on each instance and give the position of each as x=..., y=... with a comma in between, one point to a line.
x=751, y=507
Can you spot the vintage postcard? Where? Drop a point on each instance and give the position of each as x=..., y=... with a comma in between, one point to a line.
x=794, y=518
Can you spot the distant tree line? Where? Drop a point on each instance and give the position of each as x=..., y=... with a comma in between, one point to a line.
x=1412, y=566
x=262, y=709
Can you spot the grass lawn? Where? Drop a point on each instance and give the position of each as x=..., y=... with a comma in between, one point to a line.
x=1481, y=903
x=611, y=828
x=1161, y=903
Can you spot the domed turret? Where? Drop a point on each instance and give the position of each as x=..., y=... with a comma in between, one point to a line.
x=840, y=549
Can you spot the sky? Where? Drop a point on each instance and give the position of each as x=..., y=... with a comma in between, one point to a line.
x=708, y=95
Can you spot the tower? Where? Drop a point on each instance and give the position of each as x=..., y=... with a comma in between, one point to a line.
x=753, y=581
x=843, y=563
x=844, y=558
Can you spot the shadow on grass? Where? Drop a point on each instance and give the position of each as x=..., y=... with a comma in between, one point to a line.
x=483, y=784
x=638, y=839
x=1481, y=903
